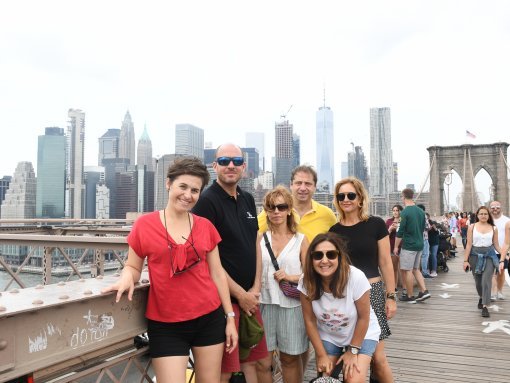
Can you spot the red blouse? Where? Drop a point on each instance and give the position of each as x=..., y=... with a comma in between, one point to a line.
x=179, y=297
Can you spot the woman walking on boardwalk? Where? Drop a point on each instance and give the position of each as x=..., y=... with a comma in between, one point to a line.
x=368, y=247
x=283, y=319
x=189, y=303
x=480, y=256
x=336, y=306
x=392, y=225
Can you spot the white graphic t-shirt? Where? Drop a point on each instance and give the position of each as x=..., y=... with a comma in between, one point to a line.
x=336, y=318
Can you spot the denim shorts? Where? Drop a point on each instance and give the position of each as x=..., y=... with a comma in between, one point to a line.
x=367, y=348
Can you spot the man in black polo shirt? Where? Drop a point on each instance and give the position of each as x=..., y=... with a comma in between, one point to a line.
x=232, y=211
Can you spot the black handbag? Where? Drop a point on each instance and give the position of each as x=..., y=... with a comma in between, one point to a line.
x=335, y=377
x=289, y=289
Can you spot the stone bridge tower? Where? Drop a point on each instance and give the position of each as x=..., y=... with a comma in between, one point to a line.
x=467, y=161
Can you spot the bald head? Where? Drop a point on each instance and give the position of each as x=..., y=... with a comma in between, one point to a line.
x=228, y=148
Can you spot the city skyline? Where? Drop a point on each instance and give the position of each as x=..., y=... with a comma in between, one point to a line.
x=439, y=66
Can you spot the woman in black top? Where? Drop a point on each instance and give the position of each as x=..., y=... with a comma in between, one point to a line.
x=369, y=249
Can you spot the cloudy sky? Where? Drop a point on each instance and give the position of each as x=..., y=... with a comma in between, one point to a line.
x=230, y=67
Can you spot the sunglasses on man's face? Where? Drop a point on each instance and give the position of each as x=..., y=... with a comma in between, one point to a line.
x=225, y=161
x=330, y=254
x=350, y=196
x=280, y=207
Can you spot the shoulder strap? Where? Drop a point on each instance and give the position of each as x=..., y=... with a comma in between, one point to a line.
x=271, y=254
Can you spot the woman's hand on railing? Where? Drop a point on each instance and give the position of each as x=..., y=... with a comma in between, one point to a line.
x=125, y=283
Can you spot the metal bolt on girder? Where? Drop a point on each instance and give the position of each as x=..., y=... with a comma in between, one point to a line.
x=87, y=292
x=37, y=302
x=2, y=308
x=3, y=344
x=14, y=291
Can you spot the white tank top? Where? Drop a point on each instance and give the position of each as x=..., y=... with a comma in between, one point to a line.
x=482, y=239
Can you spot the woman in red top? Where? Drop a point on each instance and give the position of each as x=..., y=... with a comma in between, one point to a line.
x=463, y=223
x=189, y=306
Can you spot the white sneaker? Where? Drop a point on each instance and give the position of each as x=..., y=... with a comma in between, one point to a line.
x=493, y=297
x=500, y=295
x=433, y=274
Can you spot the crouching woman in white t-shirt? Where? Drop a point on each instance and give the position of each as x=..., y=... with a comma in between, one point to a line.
x=336, y=308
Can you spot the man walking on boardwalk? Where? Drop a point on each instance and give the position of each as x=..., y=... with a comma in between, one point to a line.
x=410, y=233
x=501, y=221
x=232, y=211
x=312, y=217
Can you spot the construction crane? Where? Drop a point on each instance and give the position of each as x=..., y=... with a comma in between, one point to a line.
x=284, y=116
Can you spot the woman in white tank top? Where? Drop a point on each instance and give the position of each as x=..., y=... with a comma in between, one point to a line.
x=480, y=256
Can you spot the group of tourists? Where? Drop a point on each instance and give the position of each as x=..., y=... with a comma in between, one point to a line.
x=298, y=271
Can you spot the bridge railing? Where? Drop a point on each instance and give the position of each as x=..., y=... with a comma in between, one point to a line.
x=68, y=331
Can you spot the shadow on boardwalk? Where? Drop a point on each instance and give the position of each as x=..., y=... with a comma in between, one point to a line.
x=443, y=338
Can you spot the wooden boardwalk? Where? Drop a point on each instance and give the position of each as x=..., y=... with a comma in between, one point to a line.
x=443, y=338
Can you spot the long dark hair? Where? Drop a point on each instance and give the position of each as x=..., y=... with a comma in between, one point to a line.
x=312, y=281
x=490, y=220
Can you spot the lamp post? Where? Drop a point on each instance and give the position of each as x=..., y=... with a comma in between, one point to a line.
x=448, y=182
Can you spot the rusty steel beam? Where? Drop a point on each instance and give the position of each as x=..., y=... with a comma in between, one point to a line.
x=48, y=329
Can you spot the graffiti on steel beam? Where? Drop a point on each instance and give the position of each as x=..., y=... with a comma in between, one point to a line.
x=96, y=329
x=40, y=342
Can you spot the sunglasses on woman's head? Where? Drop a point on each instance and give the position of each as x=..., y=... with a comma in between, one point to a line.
x=225, y=161
x=280, y=207
x=330, y=254
x=350, y=196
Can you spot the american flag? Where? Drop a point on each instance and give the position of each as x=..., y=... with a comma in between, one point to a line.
x=469, y=134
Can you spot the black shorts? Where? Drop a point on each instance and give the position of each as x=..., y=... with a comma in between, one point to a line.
x=177, y=338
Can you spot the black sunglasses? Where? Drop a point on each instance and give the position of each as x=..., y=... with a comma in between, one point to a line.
x=280, y=207
x=350, y=196
x=197, y=261
x=225, y=161
x=331, y=254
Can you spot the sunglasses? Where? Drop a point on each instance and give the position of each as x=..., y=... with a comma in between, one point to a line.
x=350, y=196
x=495, y=207
x=197, y=261
x=225, y=161
x=330, y=254
x=280, y=207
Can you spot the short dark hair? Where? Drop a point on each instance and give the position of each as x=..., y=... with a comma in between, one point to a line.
x=408, y=193
x=305, y=169
x=192, y=166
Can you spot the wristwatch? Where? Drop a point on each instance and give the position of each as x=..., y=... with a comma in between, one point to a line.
x=392, y=296
x=230, y=314
x=354, y=349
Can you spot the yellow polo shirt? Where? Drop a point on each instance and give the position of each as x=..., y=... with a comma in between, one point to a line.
x=316, y=221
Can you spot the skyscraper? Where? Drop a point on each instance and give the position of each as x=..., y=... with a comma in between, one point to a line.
x=20, y=198
x=94, y=176
x=283, y=152
x=51, y=174
x=108, y=145
x=144, y=151
x=324, y=142
x=4, y=186
x=75, y=149
x=381, y=158
x=251, y=157
x=189, y=140
x=357, y=166
x=296, y=150
x=127, y=139
x=256, y=140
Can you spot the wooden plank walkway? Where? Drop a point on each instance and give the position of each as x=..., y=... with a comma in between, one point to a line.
x=443, y=338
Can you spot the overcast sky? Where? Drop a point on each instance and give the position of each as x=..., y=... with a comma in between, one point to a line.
x=230, y=67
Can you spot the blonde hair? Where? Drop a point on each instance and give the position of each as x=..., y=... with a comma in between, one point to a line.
x=362, y=195
x=270, y=198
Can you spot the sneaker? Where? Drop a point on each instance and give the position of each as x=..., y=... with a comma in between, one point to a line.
x=422, y=296
x=493, y=297
x=485, y=312
x=407, y=299
x=433, y=274
x=480, y=306
x=500, y=295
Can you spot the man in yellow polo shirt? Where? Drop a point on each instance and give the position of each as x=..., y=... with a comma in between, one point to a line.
x=312, y=217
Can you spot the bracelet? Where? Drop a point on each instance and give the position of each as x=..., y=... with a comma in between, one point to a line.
x=465, y=260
